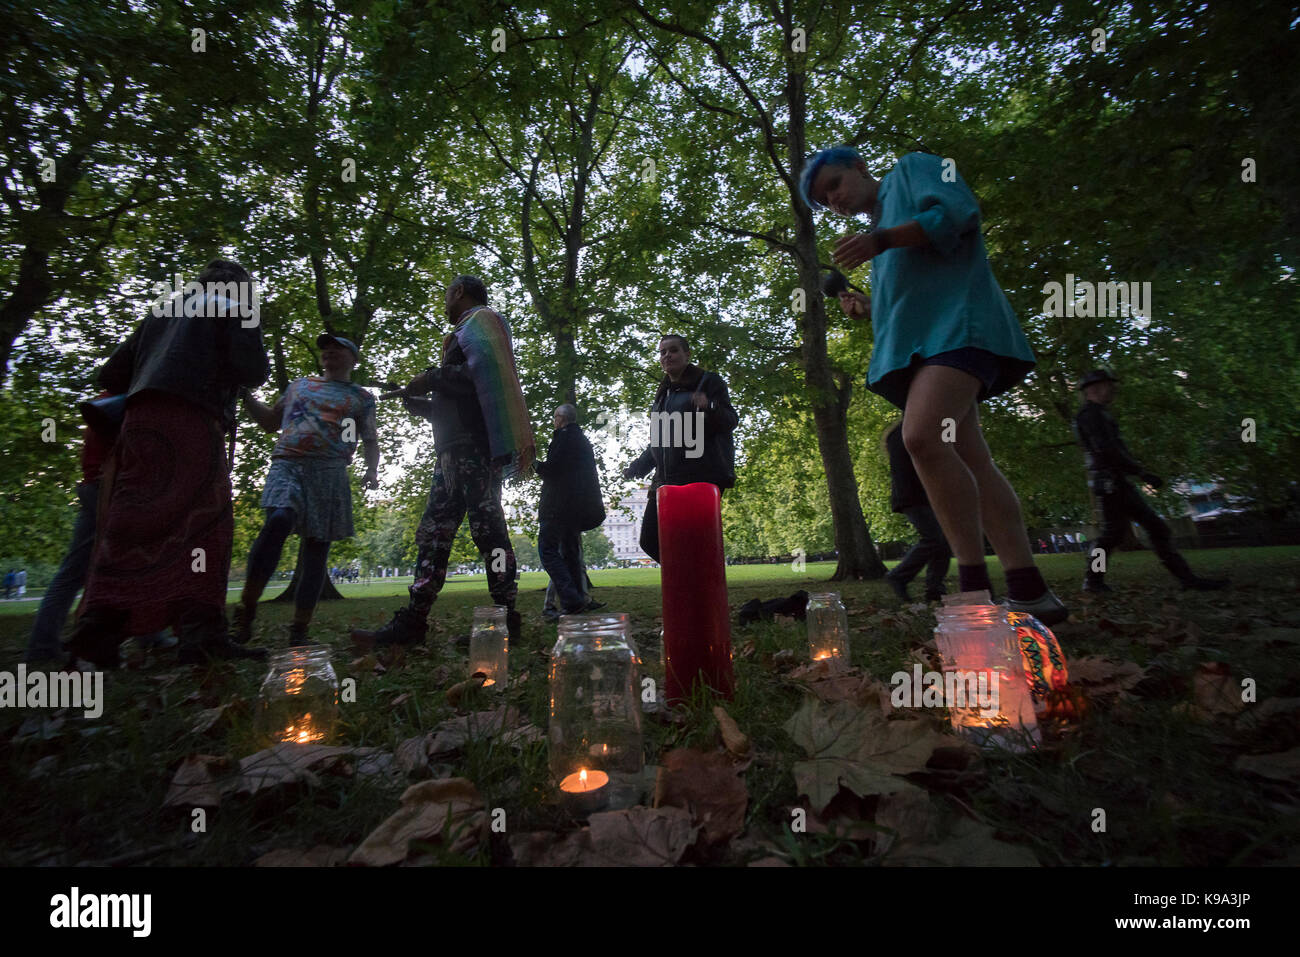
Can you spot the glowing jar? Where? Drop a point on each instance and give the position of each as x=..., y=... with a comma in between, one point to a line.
x=489, y=646
x=978, y=641
x=299, y=699
x=828, y=627
x=595, y=724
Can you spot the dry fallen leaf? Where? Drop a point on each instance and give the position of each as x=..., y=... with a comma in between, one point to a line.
x=449, y=810
x=909, y=819
x=636, y=837
x=1100, y=676
x=967, y=844
x=706, y=784
x=1282, y=766
x=457, y=692
x=735, y=741
x=1214, y=692
x=400, y=700
x=195, y=782
x=841, y=729
x=821, y=779
x=412, y=755
x=640, y=837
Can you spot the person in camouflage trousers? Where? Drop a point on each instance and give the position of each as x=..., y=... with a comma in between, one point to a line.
x=463, y=482
x=466, y=479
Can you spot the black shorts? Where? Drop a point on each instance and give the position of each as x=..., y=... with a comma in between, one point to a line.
x=996, y=374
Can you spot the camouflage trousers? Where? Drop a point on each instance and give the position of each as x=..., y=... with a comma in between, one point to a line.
x=464, y=480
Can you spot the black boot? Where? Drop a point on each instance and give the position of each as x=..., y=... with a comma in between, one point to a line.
x=406, y=628
x=899, y=588
x=204, y=638
x=1095, y=583
x=96, y=638
x=1178, y=566
x=241, y=625
x=298, y=636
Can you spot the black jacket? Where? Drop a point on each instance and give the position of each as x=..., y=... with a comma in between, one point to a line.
x=452, y=406
x=203, y=360
x=668, y=458
x=570, y=483
x=905, y=488
x=1107, y=455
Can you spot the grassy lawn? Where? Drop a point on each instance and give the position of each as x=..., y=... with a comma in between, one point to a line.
x=92, y=791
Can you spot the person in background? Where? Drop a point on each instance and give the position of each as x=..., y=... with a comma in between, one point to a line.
x=570, y=504
x=482, y=437
x=944, y=340
x=1109, y=464
x=907, y=495
x=9, y=584
x=686, y=390
x=319, y=419
x=162, y=554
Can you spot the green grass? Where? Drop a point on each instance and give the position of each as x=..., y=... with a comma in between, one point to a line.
x=1165, y=780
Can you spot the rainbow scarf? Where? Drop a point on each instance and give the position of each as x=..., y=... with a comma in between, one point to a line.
x=485, y=339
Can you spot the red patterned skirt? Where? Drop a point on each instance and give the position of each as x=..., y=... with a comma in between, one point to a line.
x=162, y=551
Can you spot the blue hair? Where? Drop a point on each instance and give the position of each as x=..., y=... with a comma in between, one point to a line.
x=835, y=156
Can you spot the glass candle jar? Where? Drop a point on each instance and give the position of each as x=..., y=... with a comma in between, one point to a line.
x=489, y=646
x=299, y=699
x=981, y=654
x=828, y=627
x=595, y=724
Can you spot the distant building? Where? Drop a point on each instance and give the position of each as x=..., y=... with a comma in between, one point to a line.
x=623, y=525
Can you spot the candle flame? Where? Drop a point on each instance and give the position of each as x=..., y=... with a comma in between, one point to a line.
x=582, y=776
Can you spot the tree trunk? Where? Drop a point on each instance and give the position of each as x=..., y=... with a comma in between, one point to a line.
x=828, y=388
x=327, y=593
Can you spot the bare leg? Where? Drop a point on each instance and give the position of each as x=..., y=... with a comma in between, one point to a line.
x=940, y=393
x=999, y=506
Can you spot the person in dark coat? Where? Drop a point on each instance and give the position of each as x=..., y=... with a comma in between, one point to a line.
x=907, y=495
x=1109, y=464
x=690, y=436
x=570, y=504
x=162, y=553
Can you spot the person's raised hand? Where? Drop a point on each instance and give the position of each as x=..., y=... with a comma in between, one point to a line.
x=852, y=250
x=854, y=304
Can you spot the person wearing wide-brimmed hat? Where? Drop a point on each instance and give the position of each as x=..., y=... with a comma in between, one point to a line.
x=1109, y=464
x=320, y=420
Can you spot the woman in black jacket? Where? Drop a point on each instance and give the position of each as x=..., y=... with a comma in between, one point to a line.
x=691, y=422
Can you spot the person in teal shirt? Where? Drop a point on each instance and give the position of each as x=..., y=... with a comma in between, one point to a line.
x=945, y=339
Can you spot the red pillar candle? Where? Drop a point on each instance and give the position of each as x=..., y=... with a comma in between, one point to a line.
x=697, y=621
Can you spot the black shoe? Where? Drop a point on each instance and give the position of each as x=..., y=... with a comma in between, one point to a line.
x=96, y=639
x=593, y=606
x=298, y=636
x=218, y=647
x=241, y=625
x=898, y=587
x=552, y=616
x=1096, y=587
x=1196, y=583
x=406, y=628
x=934, y=596
x=1047, y=608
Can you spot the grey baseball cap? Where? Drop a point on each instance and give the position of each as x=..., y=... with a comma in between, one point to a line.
x=325, y=339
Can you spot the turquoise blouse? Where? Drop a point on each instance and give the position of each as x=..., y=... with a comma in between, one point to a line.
x=927, y=301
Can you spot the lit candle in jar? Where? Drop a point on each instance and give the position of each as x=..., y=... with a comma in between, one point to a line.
x=302, y=732
x=584, y=791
